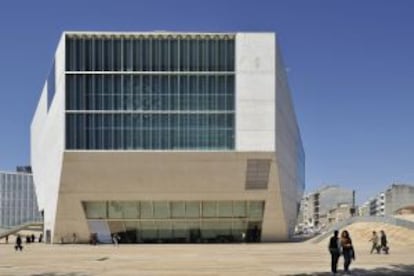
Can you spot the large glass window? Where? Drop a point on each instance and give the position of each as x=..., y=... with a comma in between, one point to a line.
x=127, y=108
x=95, y=210
x=180, y=221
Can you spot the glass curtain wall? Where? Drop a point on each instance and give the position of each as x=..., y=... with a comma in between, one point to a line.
x=150, y=92
x=18, y=202
x=180, y=221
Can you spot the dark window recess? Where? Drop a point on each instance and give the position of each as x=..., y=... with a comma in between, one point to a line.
x=257, y=173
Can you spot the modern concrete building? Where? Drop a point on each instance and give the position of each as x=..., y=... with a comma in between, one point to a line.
x=18, y=203
x=167, y=137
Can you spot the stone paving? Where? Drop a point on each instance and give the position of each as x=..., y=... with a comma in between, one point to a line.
x=196, y=259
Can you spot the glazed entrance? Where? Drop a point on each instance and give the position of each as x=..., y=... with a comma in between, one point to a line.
x=175, y=221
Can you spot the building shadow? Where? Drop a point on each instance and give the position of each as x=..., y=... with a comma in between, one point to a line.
x=60, y=274
x=401, y=269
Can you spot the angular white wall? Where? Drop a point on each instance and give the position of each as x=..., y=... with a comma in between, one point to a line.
x=48, y=142
x=289, y=149
x=255, y=92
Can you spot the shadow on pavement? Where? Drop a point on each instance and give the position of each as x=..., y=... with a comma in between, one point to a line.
x=60, y=274
x=392, y=270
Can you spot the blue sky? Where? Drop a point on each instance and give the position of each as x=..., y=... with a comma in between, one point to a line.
x=350, y=63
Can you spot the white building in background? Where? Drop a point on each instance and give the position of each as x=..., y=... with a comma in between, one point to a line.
x=18, y=203
x=398, y=196
x=364, y=209
x=167, y=137
x=377, y=205
x=319, y=207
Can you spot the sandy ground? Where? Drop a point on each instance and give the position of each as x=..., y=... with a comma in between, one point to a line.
x=304, y=258
x=195, y=259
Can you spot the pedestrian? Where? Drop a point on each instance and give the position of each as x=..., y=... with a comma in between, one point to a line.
x=7, y=238
x=243, y=237
x=335, y=250
x=40, y=237
x=74, y=238
x=384, y=242
x=32, y=238
x=375, y=242
x=115, y=239
x=18, y=245
x=347, y=250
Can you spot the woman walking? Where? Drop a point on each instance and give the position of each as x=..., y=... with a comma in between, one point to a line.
x=384, y=242
x=347, y=250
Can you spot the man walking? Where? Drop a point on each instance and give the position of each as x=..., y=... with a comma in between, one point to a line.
x=335, y=250
x=375, y=245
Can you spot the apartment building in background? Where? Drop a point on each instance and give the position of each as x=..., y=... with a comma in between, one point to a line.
x=326, y=206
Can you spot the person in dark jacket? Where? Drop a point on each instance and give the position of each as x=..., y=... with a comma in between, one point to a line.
x=18, y=243
x=335, y=250
x=384, y=242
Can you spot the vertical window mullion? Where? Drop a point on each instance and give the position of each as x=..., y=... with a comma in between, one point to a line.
x=216, y=98
x=187, y=127
x=150, y=50
x=122, y=127
x=169, y=145
x=91, y=120
x=132, y=134
x=112, y=54
x=150, y=108
x=178, y=68
x=121, y=54
x=226, y=115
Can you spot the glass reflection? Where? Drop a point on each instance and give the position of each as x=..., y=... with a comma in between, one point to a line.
x=180, y=221
x=121, y=110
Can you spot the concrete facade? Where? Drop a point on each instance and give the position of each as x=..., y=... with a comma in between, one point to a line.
x=398, y=196
x=317, y=206
x=265, y=130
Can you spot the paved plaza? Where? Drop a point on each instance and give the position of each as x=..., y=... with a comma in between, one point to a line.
x=196, y=259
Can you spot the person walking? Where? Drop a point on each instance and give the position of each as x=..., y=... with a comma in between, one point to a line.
x=18, y=245
x=375, y=242
x=384, y=242
x=335, y=250
x=347, y=250
x=115, y=239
